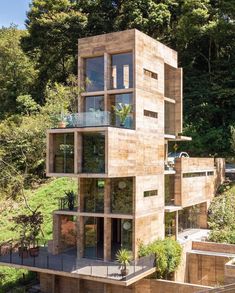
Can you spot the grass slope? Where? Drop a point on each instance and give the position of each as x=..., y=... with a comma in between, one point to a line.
x=46, y=196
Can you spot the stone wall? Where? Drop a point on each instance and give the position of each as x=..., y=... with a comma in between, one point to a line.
x=163, y=286
x=59, y=284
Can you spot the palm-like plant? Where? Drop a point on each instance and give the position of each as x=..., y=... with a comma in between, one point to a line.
x=122, y=111
x=124, y=258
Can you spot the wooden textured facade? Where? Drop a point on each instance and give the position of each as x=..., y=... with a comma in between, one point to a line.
x=120, y=165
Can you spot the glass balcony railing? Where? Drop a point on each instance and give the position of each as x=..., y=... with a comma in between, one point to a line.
x=85, y=119
x=89, y=119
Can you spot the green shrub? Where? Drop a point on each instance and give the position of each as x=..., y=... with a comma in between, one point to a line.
x=168, y=255
x=221, y=218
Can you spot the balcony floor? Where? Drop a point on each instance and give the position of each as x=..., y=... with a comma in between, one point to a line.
x=67, y=264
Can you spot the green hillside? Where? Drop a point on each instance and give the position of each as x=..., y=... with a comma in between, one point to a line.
x=46, y=196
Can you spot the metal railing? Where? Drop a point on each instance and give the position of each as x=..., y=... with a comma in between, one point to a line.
x=67, y=204
x=68, y=262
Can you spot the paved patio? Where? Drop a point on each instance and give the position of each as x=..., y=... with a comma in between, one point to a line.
x=193, y=234
x=67, y=262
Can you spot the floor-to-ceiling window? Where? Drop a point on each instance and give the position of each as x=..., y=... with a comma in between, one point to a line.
x=121, y=235
x=94, y=74
x=188, y=218
x=93, y=195
x=121, y=190
x=93, y=237
x=122, y=71
x=93, y=153
x=121, y=108
x=63, y=147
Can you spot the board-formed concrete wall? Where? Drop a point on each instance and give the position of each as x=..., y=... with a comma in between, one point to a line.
x=59, y=284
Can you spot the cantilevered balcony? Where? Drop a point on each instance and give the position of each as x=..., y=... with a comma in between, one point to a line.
x=67, y=264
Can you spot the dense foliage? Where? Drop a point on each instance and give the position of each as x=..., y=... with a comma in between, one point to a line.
x=168, y=254
x=17, y=73
x=221, y=219
x=23, y=137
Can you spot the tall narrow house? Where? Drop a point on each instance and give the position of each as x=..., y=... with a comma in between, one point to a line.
x=116, y=145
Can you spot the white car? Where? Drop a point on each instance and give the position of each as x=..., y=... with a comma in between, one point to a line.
x=173, y=155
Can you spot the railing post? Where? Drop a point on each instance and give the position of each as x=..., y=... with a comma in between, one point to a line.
x=62, y=263
x=107, y=270
x=91, y=269
x=11, y=254
x=47, y=261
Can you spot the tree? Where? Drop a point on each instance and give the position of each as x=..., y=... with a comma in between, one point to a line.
x=17, y=74
x=54, y=27
x=233, y=138
x=221, y=218
x=23, y=137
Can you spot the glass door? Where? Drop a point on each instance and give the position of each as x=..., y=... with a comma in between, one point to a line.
x=94, y=235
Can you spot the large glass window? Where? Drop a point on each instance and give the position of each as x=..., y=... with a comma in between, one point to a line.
x=169, y=118
x=169, y=189
x=116, y=105
x=93, y=237
x=63, y=153
x=170, y=224
x=121, y=235
x=68, y=232
x=93, y=158
x=93, y=104
x=93, y=190
x=122, y=71
x=94, y=74
x=121, y=195
x=189, y=218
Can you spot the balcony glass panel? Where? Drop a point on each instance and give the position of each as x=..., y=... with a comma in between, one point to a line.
x=93, y=153
x=86, y=119
x=94, y=103
x=117, y=102
x=63, y=153
x=93, y=190
x=94, y=74
x=122, y=71
x=121, y=195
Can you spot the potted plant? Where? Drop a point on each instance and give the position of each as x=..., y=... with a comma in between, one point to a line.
x=70, y=196
x=122, y=111
x=21, y=224
x=62, y=120
x=124, y=258
x=35, y=223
